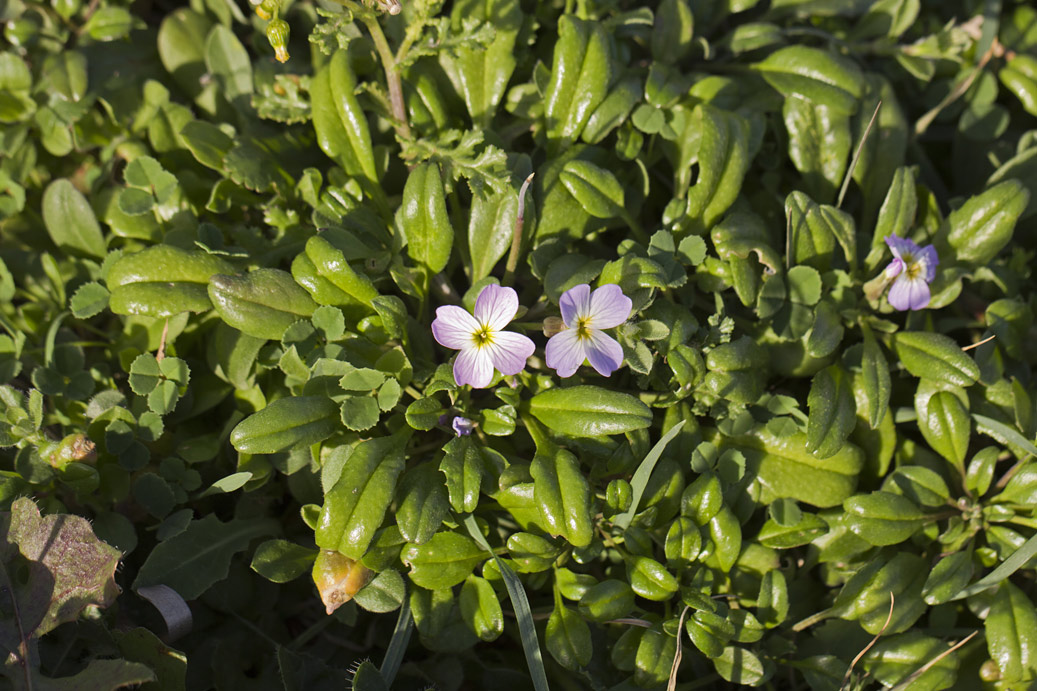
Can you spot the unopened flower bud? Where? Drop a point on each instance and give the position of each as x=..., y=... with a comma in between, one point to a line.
x=277, y=32
x=338, y=578
x=553, y=325
x=462, y=426
x=74, y=447
x=268, y=8
x=393, y=7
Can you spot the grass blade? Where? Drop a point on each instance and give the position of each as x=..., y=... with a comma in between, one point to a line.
x=1009, y=566
x=398, y=645
x=644, y=473
x=1003, y=433
x=530, y=643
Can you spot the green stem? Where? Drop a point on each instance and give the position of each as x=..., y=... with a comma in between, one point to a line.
x=392, y=76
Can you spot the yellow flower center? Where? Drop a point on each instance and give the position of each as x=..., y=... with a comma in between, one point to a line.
x=483, y=337
x=912, y=268
x=583, y=328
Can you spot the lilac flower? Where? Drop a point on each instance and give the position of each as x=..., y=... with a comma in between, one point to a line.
x=914, y=268
x=481, y=339
x=462, y=426
x=585, y=314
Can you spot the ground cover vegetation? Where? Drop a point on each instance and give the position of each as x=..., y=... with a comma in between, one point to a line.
x=503, y=343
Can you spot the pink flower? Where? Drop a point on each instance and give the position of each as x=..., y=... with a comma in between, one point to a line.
x=483, y=343
x=585, y=314
x=914, y=268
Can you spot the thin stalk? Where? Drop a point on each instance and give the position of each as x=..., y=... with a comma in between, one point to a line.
x=516, y=239
x=392, y=76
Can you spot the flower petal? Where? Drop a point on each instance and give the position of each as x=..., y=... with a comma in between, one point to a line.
x=575, y=303
x=928, y=259
x=496, y=306
x=453, y=327
x=909, y=294
x=564, y=353
x=609, y=307
x=604, y=353
x=462, y=426
x=901, y=246
x=894, y=268
x=509, y=351
x=473, y=366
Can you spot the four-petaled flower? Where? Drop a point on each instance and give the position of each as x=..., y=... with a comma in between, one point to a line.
x=914, y=268
x=585, y=314
x=483, y=343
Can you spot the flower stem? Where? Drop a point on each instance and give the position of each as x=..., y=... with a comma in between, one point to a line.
x=392, y=76
x=516, y=239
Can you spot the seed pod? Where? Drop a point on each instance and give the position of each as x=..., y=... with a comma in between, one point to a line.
x=277, y=32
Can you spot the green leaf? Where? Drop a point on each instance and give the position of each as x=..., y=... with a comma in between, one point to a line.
x=462, y=466
x=597, y=189
x=480, y=608
x=228, y=61
x=580, y=74
x=89, y=300
x=819, y=144
x=228, y=484
x=67, y=569
x=531, y=553
x=877, y=384
x=587, y=411
x=650, y=579
x=1011, y=631
x=207, y=142
x=423, y=218
x=718, y=141
x=897, y=213
x=866, y=596
x=281, y=561
x=442, y=562
x=360, y=413
x=948, y=577
x=772, y=605
x=286, y=423
x=610, y=599
x=70, y=221
x=740, y=666
x=145, y=173
x=894, y=661
x=803, y=531
x=262, y=303
x=785, y=468
x=368, y=678
x=815, y=75
x=355, y=506
x=180, y=47
x=984, y=224
x=162, y=281
x=421, y=503
x=946, y=425
x=833, y=412
x=109, y=24
x=935, y=356
x=191, y=562
x=562, y=495
x=568, y=638
x=883, y=518
x=814, y=230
